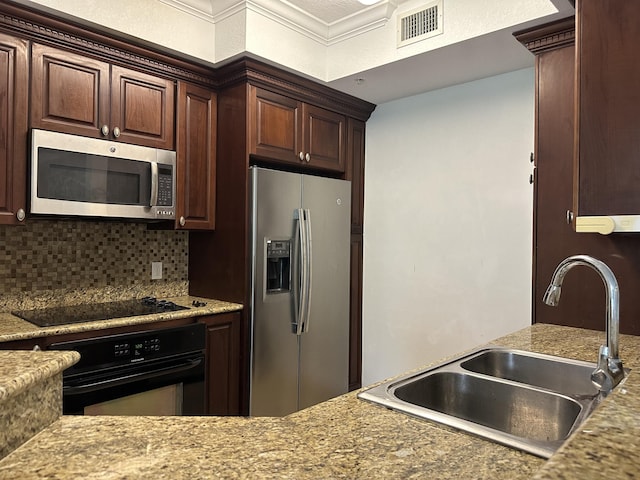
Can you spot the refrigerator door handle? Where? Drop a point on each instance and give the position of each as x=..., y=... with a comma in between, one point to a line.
x=307, y=271
x=299, y=273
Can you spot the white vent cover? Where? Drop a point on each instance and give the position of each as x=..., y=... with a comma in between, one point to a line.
x=421, y=23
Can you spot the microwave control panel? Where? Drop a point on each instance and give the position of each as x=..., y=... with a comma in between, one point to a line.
x=165, y=187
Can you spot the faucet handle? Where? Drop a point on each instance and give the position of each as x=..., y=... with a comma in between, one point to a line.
x=609, y=371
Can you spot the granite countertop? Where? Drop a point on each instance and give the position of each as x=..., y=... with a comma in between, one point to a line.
x=14, y=328
x=30, y=394
x=19, y=370
x=342, y=438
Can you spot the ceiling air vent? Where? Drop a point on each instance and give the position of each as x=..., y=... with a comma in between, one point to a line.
x=419, y=24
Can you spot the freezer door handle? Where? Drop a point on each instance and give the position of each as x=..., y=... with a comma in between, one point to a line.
x=301, y=271
x=307, y=272
x=299, y=286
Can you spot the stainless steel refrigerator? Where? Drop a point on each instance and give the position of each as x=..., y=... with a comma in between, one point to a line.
x=300, y=290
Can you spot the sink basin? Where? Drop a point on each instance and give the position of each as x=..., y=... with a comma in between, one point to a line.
x=524, y=400
x=513, y=409
x=566, y=376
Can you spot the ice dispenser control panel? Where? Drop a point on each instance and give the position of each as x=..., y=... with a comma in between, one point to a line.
x=278, y=270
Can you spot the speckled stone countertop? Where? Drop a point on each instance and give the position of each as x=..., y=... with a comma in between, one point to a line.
x=30, y=394
x=342, y=438
x=19, y=370
x=14, y=328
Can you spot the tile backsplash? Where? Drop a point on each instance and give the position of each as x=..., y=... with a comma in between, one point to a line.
x=67, y=262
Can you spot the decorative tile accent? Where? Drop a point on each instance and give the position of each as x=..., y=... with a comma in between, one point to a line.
x=64, y=262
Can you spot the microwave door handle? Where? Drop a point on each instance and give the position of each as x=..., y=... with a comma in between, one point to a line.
x=153, y=201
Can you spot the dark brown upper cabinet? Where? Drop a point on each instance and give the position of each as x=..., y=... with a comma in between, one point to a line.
x=289, y=131
x=607, y=124
x=14, y=74
x=196, y=158
x=80, y=95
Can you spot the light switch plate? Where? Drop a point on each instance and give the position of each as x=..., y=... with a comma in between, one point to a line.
x=156, y=270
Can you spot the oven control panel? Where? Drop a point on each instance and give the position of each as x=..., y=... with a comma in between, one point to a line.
x=122, y=349
x=137, y=349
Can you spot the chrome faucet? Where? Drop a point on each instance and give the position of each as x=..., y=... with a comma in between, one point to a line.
x=609, y=371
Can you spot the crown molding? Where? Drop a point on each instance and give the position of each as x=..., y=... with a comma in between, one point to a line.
x=292, y=17
x=361, y=22
x=548, y=37
x=107, y=46
x=202, y=9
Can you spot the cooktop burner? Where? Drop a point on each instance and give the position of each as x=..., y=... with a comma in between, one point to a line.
x=47, y=317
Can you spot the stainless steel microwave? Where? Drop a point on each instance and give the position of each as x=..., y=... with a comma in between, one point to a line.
x=74, y=175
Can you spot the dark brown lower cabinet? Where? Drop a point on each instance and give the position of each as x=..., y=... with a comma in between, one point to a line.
x=223, y=363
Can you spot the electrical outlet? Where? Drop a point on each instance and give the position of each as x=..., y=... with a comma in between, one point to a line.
x=156, y=270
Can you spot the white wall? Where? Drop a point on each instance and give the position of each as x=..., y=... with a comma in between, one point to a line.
x=448, y=222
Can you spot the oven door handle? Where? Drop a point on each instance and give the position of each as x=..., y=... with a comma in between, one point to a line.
x=114, y=382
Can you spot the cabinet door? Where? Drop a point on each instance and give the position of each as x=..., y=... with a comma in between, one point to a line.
x=355, y=171
x=142, y=108
x=223, y=363
x=69, y=92
x=14, y=69
x=583, y=295
x=196, y=154
x=324, y=138
x=355, y=313
x=607, y=120
x=274, y=126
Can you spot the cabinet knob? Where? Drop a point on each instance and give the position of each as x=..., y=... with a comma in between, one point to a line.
x=20, y=214
x=104, y=130
x=116, y=132
x=182, y=221
x=301, y=156
x=307, y=157
x=569, y=217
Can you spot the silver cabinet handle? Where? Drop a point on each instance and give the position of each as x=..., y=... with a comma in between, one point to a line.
x=116, y=132
x=307, y=157
x=20, y=214
x=182, y=221
x=104, y=130
x=569, y=217
x=301, y=156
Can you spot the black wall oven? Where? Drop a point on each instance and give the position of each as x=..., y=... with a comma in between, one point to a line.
x=155, y=372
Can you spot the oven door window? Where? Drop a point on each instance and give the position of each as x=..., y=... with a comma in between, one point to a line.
x=159, y=401
x=81, y=177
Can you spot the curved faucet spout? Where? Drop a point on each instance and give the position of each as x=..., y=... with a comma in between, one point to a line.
x=609, y=371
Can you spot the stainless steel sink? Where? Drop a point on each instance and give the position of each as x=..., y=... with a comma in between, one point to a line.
x=560, y=375
x=524, y=400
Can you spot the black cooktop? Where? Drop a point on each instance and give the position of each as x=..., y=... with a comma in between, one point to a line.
x=89, y=312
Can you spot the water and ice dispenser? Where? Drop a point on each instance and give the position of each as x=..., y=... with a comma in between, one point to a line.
x=278, y=266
